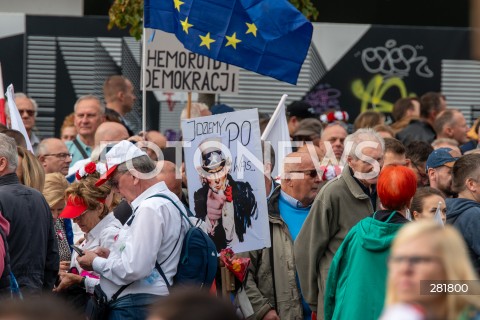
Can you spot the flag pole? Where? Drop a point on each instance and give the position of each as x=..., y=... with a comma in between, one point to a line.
x=144, y=85
x=189, y=105
x=3, y=117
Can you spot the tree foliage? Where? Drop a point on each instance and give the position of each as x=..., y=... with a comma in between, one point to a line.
x=129, y=13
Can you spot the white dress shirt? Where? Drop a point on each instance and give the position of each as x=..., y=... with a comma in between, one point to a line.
x=155, y=232
x=102, y=235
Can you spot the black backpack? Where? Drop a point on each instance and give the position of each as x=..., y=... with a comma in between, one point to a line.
x=198, y=258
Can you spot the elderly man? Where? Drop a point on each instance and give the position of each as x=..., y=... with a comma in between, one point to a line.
x=119, y=97
x=340, y=204
x=27, y=108
x=333, y=136
x=54, y=156
x=32, y=242
x=439, y=169
x=149, y=237
x=288, y=208
x=89, y=114
x=452, y=124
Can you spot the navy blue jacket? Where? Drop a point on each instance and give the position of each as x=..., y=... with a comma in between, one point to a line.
x=464, y=214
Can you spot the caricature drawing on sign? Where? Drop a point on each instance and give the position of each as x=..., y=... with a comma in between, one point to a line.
x=227, y=206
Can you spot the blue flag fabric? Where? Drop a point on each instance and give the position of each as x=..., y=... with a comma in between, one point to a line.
x=270, y=37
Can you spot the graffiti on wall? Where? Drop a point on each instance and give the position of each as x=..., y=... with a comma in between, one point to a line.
x=395, y=60
x=323, y=98
x=372, y=95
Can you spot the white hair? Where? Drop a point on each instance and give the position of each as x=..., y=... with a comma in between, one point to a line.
x=362, y=135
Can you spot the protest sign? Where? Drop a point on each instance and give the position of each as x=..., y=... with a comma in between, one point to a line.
x=171, y=67
x=225, y=178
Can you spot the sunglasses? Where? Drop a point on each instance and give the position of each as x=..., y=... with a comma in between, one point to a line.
x=312, y=173
x=30, y=113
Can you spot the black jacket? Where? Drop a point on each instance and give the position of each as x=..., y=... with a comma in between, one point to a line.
x=244, y=204
x=417, y=130
x=32, y=243
x=113, y=115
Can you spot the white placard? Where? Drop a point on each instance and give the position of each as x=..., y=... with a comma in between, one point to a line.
x=225, y=178
x=171, y=67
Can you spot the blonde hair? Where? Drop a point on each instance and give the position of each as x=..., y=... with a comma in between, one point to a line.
x=33, y=174
x=86, y=190
x=54, y=189
x=453, y=256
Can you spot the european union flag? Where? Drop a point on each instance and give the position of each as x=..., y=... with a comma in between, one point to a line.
x=270, y=37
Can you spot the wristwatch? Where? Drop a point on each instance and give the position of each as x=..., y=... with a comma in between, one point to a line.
x=82, y=283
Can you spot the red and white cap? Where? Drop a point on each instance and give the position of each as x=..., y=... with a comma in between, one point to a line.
x=120, y=153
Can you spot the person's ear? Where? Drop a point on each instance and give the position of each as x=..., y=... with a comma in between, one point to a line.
x=3, y=164
x=415, y=215
x=408, y=163
x=471, y=185
x=431, y=173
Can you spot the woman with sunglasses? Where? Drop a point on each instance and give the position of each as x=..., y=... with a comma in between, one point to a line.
x=430, y=274
x=88, y=206
x=355, y=286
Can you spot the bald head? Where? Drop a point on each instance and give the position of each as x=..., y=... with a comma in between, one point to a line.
x=158, y=139
x=110, y=131
x=168, y=175
x=300, y=179
x=297, y=161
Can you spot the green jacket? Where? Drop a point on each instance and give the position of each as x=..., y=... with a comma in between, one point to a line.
x=357, y=278
x=259, y=285
x=337, y=208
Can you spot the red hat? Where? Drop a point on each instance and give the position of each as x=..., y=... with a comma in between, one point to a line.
x=74, y=208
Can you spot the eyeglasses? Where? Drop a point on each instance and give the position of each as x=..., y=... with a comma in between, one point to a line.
x=61, y=156
x=113, y=182
x=412, y=260
x=81, y=215
x=421, y=173
x=312, y=173
x=30, y=113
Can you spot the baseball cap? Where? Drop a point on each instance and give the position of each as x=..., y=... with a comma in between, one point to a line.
x=221, y=108
x=441, y=157
x=74, y=208
x=118, y=154
x=311, y=127
x=301, y=109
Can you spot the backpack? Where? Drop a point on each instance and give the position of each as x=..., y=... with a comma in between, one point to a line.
x=198, y=258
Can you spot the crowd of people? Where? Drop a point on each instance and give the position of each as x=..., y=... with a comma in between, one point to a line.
x=366, y=216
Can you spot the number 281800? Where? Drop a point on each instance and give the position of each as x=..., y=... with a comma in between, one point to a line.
x=448, y=288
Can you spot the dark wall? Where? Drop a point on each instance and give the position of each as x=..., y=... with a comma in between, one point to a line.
x=395, y=12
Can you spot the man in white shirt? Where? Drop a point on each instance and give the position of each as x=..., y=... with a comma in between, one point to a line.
x=150, y=235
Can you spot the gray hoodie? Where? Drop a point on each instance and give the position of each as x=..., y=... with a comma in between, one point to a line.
x=464, y=214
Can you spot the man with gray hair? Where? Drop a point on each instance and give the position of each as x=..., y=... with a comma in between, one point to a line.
x=54, y=156
x=148, y=240
x=27, y=107
x=340, y=204
x=32, y=242
x=89, y=114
